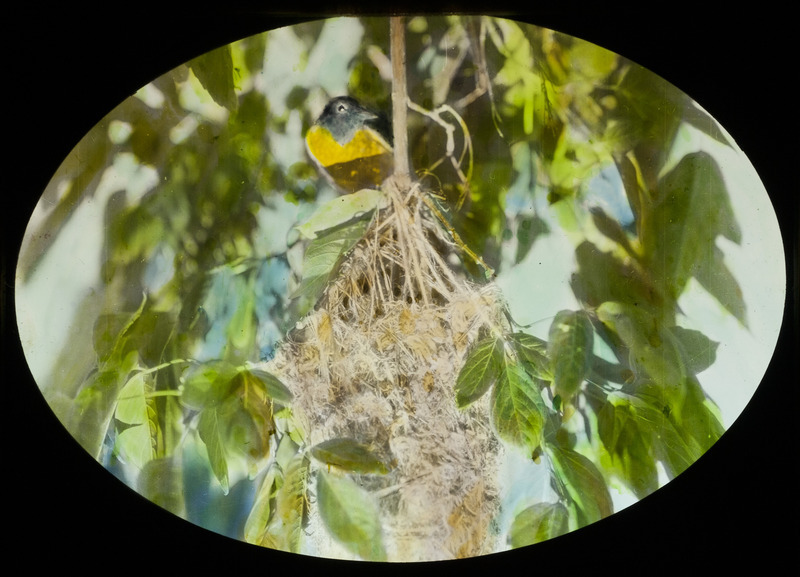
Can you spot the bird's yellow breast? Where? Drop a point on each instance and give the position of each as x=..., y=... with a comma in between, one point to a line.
x=365, y=143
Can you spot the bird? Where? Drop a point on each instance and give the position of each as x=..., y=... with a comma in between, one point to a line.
x=351, y=144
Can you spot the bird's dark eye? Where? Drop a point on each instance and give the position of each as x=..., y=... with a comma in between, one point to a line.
x=341, y=108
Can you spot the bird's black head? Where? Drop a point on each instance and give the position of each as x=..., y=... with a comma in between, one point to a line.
x=343, y=116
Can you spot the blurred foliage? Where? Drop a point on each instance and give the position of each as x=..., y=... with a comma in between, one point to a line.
x=198, y=268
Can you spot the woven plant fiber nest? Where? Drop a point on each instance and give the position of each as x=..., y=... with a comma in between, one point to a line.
x=376, y=362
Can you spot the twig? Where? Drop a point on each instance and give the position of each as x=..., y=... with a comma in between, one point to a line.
x=436, y=116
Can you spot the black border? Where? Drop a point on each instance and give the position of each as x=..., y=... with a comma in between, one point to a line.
x=736, y=505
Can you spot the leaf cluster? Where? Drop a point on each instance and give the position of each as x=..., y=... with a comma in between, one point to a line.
x=522, y=126
x=622, y=364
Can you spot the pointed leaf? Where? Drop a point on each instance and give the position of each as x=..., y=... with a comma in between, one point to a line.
x=291, y=505
x=718, y=280
x=207, y=384
x=656, y=419
x=532, y=352
x=131, y=403
x=324, y=254
x=604, y=277
x=93, y=408
x=570, y=351
x=261, y=512
x=210, y=430
x=481, y=370
x=214, y=70
x=538, y=523
x=247, y=424
x=691, y=209
x=700, y=418
x=275, y=389
x=529, y=228
x=110, y=331
x=704, y=122
x=241, y=328
x=108, y=328
x=137, y=443
x=584, y=484
x=340, y=210
x=698, y=351
x=517, y=408
x=610, y=227
x=603, y=370
x=351, y=516
x=349, y=455
x=654, y=349
x=629, y=446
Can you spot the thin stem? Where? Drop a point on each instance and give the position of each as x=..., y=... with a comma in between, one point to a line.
x=488, y=271
x=164, y=366
x=399, y=95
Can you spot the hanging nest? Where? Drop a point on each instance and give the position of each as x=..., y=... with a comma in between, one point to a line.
x=377, y=360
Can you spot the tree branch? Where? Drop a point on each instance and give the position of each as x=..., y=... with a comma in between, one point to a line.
x=399, y=95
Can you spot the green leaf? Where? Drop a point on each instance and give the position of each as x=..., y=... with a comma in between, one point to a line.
x=629, y=446
x=538, y=523
x=574, y=162
x=110, y=331
x=718, y=280
x=161, y=482
x=656, y=420
x=604, y=277
x=211, y=433
x=591, y=62
x=351, y=516
x=323, y=255
x=705, y=123
x=584, y=485
x=529, y=228
x=611, y=228
x=208, y=384
x=517, y=408
x=570, y=350
x=261, y=512
x=532, y=352
x=653, y=348
x=349, y=455
x=603, y=370
x=287, y=450
x=131, y=404
x=480, y=371
x=137, y=443
x=291, y=505
x=691, y=209
x=646, y=118
x=700, y=418
x=693, y=416
x=241, y=329
x=275, y=389
x=236, y=424
x=698, y=351
x=147, y=332
x=93, y=408
x=249, y=423
x=340, y=210
x=214, y=70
